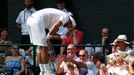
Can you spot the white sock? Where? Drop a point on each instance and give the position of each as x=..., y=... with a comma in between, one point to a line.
x=46, y=67
x=42, y=71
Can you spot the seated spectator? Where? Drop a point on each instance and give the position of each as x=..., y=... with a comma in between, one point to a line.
x=74, y=36
x=14, y=64
x=111, y=66
x=90, y=50
x=122, y=44
x=63, y=66
x=84, y=58
x=22, y=52
x=130, y=60
x=99, y=61
x=71, y=52
x=111, y=63
x=86, y=67
x=4, y=50
x=121, y=68
x=29, y=56
x=4, y=40
x=52, y=61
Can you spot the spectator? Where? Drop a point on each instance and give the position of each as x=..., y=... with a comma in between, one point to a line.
x=14, y=64
x=29, y=61
x=111, y=66
x=21, y=22
x=131, y=68
x=84, y=58
x=86, y=67
x=4, y=40
x=62, y=66
x=74, y=36
x=122, y=44
x=104, y=40
x=52, y=60
x=131, y=65
x=90, y=50
x=4, y=50
x=121, y=68
x=99, y=61
x=61, y=5
x=29, y=56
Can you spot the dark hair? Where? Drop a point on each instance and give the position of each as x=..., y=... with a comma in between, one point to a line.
x=109, y=30
x=100, y=56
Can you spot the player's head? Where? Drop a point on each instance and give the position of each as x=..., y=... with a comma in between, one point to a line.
x=71, y=23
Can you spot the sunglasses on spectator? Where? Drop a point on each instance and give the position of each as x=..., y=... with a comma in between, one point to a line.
x=70, y=48
x=82, y=55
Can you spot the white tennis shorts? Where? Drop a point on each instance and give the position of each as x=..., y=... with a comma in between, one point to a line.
x=37, y=31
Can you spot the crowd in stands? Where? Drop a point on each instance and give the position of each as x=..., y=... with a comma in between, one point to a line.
x=117, y=57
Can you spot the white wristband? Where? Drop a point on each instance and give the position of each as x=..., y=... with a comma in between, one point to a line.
x=62, y=36
x=48, y=36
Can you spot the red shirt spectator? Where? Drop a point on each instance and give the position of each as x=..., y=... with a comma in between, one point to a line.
x=74, y=36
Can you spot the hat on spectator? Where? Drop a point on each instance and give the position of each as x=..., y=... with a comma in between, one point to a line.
x=73, y=21
x=122, y=38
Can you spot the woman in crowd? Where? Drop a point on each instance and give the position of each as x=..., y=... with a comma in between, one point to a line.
x=4, y=50
x=14, y=64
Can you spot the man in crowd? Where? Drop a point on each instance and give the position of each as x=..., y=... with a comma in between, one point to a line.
x=22, y=19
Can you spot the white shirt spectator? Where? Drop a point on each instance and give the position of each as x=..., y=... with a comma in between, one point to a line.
x=64, y=66
x=22, y=19
x=129, y=51
x=121, y=70
x=90, y=50
x=90, y=70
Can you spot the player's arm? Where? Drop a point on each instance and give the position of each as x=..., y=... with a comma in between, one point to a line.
x=54, y=28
